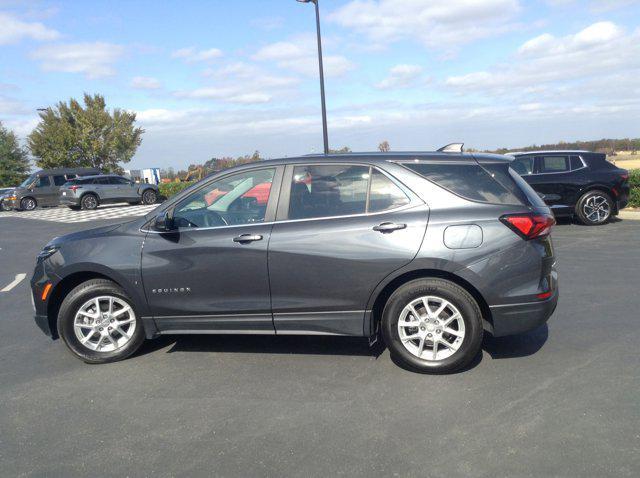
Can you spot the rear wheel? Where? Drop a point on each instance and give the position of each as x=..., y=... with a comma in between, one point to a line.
x=98, y=323
x=432, y=326
x=89, y=201
x=28, y=204
x=594, y=208
x=149, y=196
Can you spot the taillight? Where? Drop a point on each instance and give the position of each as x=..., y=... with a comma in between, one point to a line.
x=75, y=188
x=624, y=177
x=529, y=226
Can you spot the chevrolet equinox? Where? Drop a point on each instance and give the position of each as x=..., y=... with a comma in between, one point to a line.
x=430, y=250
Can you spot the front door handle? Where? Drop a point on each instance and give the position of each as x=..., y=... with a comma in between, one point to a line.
x=386, y=227
x=244, y=238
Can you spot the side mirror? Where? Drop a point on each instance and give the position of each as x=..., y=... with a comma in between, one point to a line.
x=164, y=222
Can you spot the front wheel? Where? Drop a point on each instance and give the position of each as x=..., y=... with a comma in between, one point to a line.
x=28, y=204
x=432, y=326
x=98, y=323
x=149, y=196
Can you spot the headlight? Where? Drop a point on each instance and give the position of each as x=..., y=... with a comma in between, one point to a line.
x=47, y=252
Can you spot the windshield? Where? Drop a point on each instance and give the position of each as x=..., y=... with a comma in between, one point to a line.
x=28, y=181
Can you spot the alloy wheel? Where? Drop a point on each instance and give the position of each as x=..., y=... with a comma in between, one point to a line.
x=149, y=197
x=29, y=204
x=105, y=323
x=431, y=328
x=90, y=202
x=596, y=208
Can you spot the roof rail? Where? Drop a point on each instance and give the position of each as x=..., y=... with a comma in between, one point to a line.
x=452, y=148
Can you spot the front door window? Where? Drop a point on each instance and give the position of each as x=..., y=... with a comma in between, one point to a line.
x=233, y=200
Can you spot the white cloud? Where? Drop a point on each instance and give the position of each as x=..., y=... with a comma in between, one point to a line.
x=191, y=54
x=12, y=30
x=597, y=6
x=300, y=56
x=226, y=93
x=436, y=24
x=401, y=76
x=546, y=64
x=94, y=60
x=145, y=83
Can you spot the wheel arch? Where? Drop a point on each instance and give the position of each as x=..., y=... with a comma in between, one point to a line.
x=62, y=288
x=382, y=295
x=87, y=193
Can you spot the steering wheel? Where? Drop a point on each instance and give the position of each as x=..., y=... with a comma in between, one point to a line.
x=213, y=218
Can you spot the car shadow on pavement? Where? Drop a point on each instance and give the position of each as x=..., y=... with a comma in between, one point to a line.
x=497, y=348
x=263, y=344
x=513, y=346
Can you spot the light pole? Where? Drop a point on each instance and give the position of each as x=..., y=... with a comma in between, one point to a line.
x=324, y=107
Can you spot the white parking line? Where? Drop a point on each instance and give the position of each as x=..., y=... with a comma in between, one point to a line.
x=19, y=278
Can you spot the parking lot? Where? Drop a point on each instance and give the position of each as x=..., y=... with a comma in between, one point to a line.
x=562, y=400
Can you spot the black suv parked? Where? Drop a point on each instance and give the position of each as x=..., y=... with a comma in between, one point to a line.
x=576, y=183
x=430, y=249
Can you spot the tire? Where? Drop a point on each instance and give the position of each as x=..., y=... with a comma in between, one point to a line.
x=104, y=344
x=594, y=208
x=458, y=306
x=89, y=202
x=149, y=197
x=28, y=204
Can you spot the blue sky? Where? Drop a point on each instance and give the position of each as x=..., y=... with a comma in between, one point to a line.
x=217, y=78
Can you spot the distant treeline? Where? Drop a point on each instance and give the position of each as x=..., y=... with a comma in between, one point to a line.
x=609, y=146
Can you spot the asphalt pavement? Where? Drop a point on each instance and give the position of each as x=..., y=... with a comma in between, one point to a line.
x=563, y=400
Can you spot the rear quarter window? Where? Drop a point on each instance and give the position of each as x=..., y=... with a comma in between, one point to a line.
x=468, y=180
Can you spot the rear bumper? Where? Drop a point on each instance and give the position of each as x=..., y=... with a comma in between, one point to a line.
x=69, y=201
x=519, y=318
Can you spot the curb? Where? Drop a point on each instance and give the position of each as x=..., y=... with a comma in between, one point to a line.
x=630, y=215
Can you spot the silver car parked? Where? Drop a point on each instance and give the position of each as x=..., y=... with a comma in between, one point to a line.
x=91, y=191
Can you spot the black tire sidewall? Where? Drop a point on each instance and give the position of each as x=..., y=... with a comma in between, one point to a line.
x=463, y=301
x=583, y=199
x=76, y=298
x=24, y=201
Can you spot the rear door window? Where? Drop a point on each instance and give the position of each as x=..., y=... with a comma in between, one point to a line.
x=328, y=191
x=576, y=163
x=554, y=164
x=59, y=180
x=523, y=165
x=468, y=180
x=384, y=194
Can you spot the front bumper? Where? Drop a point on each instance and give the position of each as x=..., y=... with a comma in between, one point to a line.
x=515, y=319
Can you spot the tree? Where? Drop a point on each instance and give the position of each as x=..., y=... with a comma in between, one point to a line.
x=343, y=150
x=14, y=162
x=384, y=147
x=70, y=135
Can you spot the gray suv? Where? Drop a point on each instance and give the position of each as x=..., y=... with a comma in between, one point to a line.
x=41, y=188
x=429, y=250
x=89, y=192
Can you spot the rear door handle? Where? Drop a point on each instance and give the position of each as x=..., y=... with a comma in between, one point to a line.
x=247, y=238
x=389, y=227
